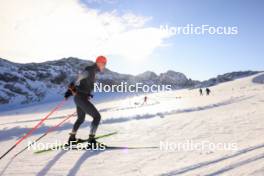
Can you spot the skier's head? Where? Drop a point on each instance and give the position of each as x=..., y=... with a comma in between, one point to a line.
x=101, y=62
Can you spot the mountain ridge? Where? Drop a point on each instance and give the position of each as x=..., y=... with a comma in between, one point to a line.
x=35, y=82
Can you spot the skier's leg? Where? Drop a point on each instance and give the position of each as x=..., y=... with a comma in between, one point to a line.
x=96, y=119
x=93, y=112
x=80, y=119
x=90, y=109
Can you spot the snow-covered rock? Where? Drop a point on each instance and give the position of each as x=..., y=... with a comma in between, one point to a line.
x=147, y=77
x=174, y=77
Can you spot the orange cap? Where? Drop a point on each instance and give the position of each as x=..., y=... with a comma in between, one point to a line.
x=101, y=59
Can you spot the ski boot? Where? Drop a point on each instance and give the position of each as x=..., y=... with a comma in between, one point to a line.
x=72, y=139
x=92, y=143
x=91, y=139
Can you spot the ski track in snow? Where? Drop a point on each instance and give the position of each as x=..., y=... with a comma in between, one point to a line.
x=207, y=163
x=16, y=131
x=234, y=113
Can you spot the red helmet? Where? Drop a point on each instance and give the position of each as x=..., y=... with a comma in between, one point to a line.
x=101, y=59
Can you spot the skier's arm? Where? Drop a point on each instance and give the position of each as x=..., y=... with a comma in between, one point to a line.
x=85, y=74
x=72, y=86
x=81, y=76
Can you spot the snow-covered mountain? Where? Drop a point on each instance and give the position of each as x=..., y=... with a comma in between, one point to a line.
x=227, y=77
x=34, y=82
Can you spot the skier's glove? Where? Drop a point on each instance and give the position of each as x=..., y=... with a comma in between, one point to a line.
x=71, y=91
x=67, y=94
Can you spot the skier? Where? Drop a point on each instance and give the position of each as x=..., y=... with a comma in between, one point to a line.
x=145, y=100
x=81, y=90
x=208, y=91
x=201, y=91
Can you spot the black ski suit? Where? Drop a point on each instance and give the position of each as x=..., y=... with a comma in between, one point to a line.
x=84, y=87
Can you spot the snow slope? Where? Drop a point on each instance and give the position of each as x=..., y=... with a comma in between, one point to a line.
x=233, y=114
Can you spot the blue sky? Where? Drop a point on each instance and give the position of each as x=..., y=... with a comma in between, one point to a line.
x=200, y=57
x=128, y=33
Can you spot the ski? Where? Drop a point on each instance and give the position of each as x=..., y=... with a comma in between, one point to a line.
x=130, y=148
x=101, y=147
x=80, y=141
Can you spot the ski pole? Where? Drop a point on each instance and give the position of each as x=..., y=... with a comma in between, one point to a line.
x=49, y=130
x=34, y=128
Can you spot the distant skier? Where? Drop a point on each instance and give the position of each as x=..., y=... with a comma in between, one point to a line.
x=208, y=91
x=145, y=100
x=201, y=92
x=81, y=90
